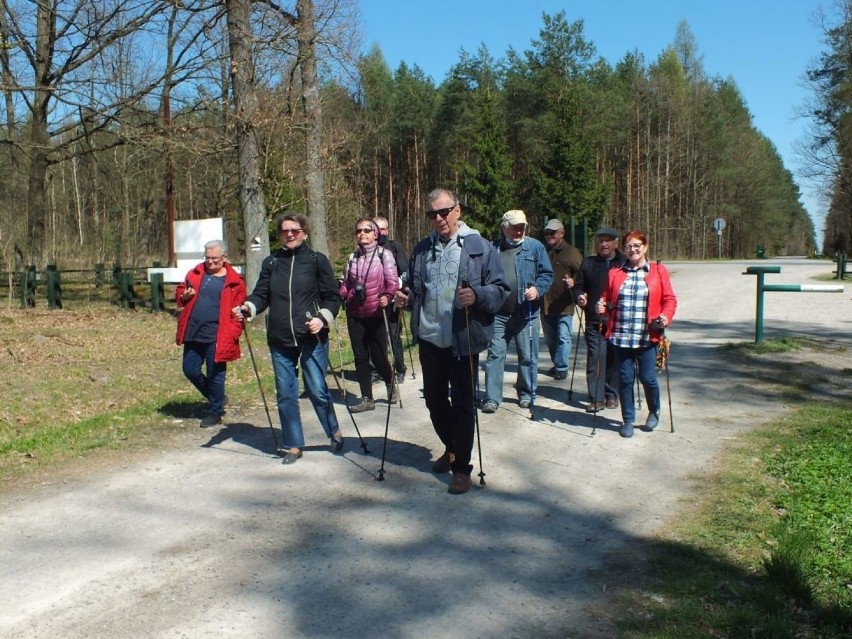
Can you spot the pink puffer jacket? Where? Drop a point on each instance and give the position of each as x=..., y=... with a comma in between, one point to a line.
x=375, y=268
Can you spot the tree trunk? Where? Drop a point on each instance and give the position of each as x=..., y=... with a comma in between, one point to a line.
x=314, y=179
x=252, y=202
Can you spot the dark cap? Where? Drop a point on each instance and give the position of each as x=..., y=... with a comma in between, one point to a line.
x=607, y=231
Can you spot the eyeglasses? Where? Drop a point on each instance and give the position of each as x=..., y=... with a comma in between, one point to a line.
x=633, y=247
x=550, y=232
x=442, y=212
x=383, y=229
x=517, y=228
x=215, y=260
x=360, y=231
x=290, y=231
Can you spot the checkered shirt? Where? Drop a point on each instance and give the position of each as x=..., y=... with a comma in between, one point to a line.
x=630, y=321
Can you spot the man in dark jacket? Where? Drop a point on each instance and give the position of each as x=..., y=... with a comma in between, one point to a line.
x=456, y=285
x=558, y=308
x=601, y=373
x=298, y=287
x=398, y=252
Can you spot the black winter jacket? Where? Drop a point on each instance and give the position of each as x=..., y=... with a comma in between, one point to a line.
x=291, y=285
x=592, y=280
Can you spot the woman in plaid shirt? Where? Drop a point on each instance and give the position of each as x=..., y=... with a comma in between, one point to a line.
x=637, y=305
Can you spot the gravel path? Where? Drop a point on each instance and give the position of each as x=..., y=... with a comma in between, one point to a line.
x=215, y=538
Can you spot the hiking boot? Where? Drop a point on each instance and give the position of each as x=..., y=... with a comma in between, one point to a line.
x=626, y=430
x=560, y=375
x=375, y=378
x=652, y=422
x=364, y=404
x=612, y=402
x=524, y=403
x=211, y=420
x=400, y=377
x=595, y=407
x=442, y=464
x=490, y=406
x=393, y=394
x=460, y=484
x=551, y=372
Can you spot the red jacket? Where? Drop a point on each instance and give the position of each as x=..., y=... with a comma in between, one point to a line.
x=661, y=296
x=230, y=328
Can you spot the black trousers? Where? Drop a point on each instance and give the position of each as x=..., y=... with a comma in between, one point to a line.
x=396, y=340
x=448, y=391
x=601, y=371
x=369, y=342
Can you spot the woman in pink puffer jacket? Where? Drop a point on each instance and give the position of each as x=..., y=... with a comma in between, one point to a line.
x=367, y=289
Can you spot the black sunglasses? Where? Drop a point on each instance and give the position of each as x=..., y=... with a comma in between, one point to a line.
x=442, y=212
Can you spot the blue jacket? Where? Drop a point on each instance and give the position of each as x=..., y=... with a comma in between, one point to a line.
x=532, y=266
x=480, y=268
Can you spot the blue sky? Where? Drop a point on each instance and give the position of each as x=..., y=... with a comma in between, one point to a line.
x=764, y=45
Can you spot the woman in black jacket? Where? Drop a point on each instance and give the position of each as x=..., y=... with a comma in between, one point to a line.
x=298, y=287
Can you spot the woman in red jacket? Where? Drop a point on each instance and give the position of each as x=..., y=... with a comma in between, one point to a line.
x=367, y=288
x=638, y=304
x=209, y=332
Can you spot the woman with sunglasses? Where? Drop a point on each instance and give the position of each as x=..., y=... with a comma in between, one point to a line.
x=637, y=305
x=367, y=288
x=297, y=285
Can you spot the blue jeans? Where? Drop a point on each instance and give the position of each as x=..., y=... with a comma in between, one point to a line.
x=515, y=328
x=557, y=335
x=313, y=357
x=211, y=385
x=627, y=360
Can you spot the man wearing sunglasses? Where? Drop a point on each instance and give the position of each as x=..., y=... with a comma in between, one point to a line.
x=455, y=286
x=398, y=251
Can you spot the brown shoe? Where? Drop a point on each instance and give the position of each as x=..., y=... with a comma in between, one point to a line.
x=460, y=484
x=595, y=407
x=612, y=402
x=442, y=464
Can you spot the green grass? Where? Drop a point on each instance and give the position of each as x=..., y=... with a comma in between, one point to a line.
x=767, y=551
x=74, y=384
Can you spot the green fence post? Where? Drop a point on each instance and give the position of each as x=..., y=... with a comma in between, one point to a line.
x=157, y=293
x=126, y=295
x=28, y=287
x=54, y=288
x=100, y=275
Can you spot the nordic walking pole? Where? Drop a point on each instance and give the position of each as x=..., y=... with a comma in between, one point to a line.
x=638, y=390
x=474, y=384
x=533, y=357
x=340, y=359
x=393, y=388
x=389, y=359
x=576, y=351
x=408, y=342
x=259, y=384
x=342, y=389
x=668, y=387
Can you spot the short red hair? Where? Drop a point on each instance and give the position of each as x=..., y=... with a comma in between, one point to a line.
x=634, y=235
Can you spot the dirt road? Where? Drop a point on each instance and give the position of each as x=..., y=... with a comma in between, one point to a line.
x=218, y=539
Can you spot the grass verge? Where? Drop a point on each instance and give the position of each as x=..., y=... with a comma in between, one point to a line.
x=766, y=551
x=76, y=385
